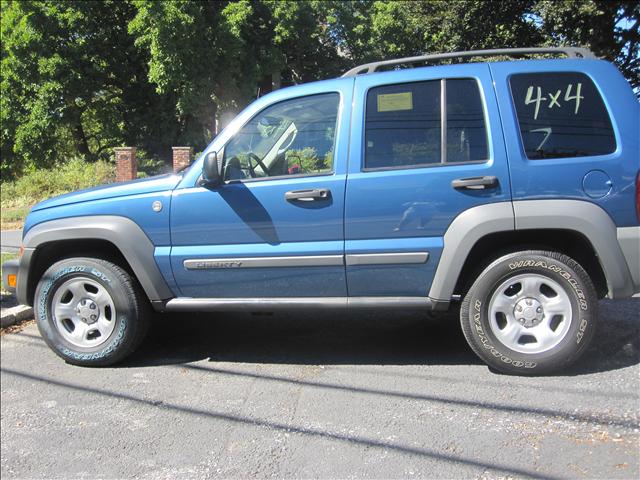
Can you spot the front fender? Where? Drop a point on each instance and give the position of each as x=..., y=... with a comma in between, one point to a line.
x=122, y=232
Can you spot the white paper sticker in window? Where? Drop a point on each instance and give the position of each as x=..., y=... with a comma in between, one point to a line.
x=391, y=102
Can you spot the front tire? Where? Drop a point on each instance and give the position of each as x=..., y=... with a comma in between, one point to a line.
x=530, y=313
x=90, y=312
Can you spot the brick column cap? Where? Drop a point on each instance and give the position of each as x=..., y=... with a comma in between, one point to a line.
x=119, y=149
x=182, y=148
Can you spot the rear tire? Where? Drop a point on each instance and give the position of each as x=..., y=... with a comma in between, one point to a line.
x=530, y=313
x=90, y=312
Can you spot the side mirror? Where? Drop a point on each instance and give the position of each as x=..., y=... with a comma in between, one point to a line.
x=212, y=170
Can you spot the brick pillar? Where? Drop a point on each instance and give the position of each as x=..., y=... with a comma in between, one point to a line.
x=181, y=157
x=126, y=164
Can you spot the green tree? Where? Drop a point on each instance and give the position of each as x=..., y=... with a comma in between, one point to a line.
x=73, y=83
x=611, y=29
x=80, y=77
x=383, y=29
x=371, y=30
x=214, y=54
x=197, y=51
x=305, y=39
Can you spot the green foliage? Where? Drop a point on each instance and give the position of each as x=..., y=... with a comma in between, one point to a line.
x=384, y=29
x=150, y=166
x=40, y=184
x=4, y=257
x=610, y=29
x=308, y=161
x=13, y=215
x=73, y=84
x=81, y=77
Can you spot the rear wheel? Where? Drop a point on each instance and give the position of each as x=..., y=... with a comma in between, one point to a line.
x=90, y=312
x=530, y=313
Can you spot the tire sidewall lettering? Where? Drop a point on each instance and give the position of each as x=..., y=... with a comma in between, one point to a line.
x=46, y=321
x=582, y=302
x=488, y=345
x=575, y=282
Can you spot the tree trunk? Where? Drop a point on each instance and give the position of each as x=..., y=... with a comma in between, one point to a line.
x=214, y=120
x=79, y=137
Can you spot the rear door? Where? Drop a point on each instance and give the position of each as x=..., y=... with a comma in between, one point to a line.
x=426, y=145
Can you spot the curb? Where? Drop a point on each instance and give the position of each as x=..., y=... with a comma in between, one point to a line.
x=13, y=315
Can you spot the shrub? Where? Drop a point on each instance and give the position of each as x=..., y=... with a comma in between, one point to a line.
x=40, y=184
x=308, y=161
x=150, y=166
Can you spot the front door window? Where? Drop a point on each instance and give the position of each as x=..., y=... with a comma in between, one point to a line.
x=294, y=137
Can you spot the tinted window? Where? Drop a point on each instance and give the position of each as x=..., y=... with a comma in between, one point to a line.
x=402, y=126
x=404, y=123
x=561, y=115
x=466, y=130
x=289, y=138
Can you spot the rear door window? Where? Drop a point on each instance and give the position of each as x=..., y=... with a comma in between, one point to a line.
x=560, y=115
x=404, y=124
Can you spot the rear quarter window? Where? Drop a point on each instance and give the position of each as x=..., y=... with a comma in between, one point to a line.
x=561, y=115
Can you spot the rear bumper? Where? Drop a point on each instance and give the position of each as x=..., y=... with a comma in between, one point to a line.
x=629, y=241
x=10, y=267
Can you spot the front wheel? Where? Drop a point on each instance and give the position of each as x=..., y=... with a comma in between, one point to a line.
x=530, y=313
x=90, y=312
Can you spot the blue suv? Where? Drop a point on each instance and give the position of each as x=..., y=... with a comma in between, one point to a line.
x=508, y=190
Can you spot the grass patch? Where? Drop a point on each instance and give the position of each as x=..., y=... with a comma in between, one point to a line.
x=14, y=214
x=3, y=258
x=18, y=196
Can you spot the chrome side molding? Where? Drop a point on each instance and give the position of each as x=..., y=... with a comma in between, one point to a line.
x=386, y=258
x=401, y=258
x=264, y=262
x=187, y=304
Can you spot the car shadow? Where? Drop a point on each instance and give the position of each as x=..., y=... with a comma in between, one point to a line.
x=359, y=338
x=616, y=343
x=309, y=337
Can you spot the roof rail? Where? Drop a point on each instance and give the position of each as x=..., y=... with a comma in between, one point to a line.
x=571, y=52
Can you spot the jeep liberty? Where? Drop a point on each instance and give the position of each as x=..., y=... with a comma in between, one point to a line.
x=507, y=189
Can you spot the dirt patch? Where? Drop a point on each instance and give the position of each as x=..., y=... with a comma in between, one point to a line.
x=16, y=225
x=18, y=327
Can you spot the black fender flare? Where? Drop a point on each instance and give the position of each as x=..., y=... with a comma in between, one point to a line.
x=122, y=232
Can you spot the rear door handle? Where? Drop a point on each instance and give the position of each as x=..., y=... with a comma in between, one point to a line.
x=475, y=183
x=308, y=195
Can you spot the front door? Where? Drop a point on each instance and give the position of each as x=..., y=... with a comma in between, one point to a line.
x=274, y=228
x=428, y=147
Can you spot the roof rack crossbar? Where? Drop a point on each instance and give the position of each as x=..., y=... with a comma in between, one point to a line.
x=571, y=52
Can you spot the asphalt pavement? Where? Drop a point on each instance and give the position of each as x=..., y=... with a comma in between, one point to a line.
x=362, y=395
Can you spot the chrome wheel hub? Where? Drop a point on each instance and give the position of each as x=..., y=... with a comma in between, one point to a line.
x=83, y=312
x=530, y=313
x=88, y=311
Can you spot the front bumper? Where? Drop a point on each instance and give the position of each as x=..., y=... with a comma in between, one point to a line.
x=19, y=267
x=10, y=267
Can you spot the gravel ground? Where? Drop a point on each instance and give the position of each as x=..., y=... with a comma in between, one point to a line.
x=302, y=396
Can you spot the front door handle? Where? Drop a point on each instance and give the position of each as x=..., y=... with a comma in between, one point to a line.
x=308, y=195
x=475, y=183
